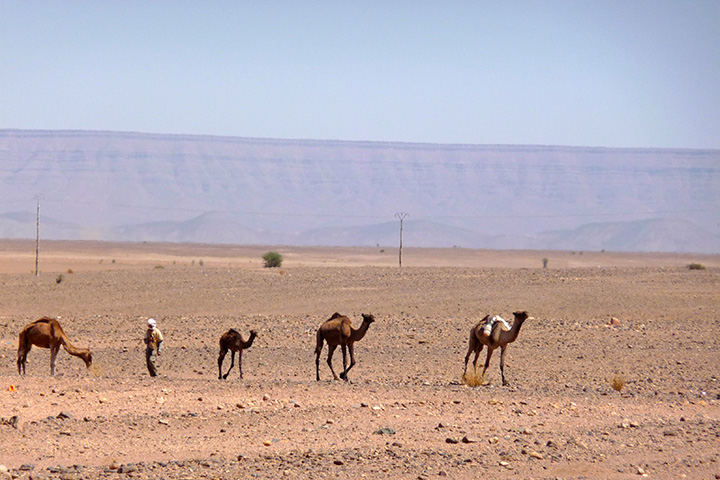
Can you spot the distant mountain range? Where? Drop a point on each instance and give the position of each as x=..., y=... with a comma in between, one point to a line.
x=143, y=187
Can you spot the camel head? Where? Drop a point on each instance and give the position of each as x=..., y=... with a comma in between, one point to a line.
x=522, y=316
x=253, y=333
x=368, y=318
x=87, y=357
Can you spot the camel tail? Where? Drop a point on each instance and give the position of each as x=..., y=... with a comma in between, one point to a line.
x=22, y=340
x=318, y=343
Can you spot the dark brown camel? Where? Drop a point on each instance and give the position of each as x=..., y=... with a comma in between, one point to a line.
x=337, y=330
x=232, y=340
x=499, y=336
x=46, y=332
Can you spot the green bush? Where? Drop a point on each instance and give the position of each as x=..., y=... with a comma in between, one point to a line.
x=272, y=259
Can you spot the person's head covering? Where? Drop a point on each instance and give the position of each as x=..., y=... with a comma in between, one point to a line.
x=152, y=323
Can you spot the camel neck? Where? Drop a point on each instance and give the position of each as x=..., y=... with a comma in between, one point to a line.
x=360, y=332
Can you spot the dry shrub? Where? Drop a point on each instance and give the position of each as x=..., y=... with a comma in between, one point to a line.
x=696, y=266
x=617, y=382
x=472, y=379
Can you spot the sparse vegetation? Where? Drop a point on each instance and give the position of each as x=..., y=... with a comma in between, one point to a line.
x=59, y=278
x=696, y=266
x=201, y=262
x=617, y=382
x=545, y=262
x=472, y=379
x=159, y=267
x=272, y=259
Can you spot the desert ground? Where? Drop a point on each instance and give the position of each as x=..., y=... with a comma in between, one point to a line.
x=587, y=397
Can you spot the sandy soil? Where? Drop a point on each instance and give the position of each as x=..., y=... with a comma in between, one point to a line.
x=405, y=412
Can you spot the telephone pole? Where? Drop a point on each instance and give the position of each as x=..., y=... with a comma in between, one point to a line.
x=401, y=216
x=37, y=238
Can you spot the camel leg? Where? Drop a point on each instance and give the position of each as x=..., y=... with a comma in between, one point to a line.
x=53, y=358
x=221, y=357
x=502, y=365
x=240, y=361
x=487, y=362
x=471, y=348
x=331, y=350
x=345, y=369
x=317, y=363
x=318, y=351
x=351, y=347
x=479, y=347
x=232, y=363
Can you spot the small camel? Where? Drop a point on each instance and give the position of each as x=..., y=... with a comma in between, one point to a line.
x=46, y=332
x=337, y=330
x=232, y=340
x=499, y=336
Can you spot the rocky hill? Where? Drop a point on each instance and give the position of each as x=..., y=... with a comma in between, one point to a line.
x=145, y=187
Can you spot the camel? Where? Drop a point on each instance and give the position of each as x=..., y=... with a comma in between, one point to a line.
x=232, y=340
x=46, y=332
x=337, y=330
x=499, y=336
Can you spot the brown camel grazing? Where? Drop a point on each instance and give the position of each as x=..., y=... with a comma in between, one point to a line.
x=46, y=332
x=499, y=336
x=232, y=340
x=337, y=330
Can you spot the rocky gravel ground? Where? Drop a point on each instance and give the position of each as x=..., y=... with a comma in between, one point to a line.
x=588, y=397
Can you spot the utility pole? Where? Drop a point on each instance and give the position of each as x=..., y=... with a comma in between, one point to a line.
x=401, y=216
x=37, y=238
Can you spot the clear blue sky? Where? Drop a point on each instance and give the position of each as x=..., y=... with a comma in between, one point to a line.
x=623, y=73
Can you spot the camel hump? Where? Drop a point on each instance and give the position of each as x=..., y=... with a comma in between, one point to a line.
x=232, y=330
x=335, y=315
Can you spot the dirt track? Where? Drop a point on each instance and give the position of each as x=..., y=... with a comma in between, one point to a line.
x=559, y=418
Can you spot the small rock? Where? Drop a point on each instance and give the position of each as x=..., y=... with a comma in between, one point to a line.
x=468, y=439
x=452, y=440
x=26, y=467
x=339, y=462
x=385, y=431
x=267, y=443
x=163, y=422
x=127, y=469
x=266, y=397
x=614, y=321
x=535, y=454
